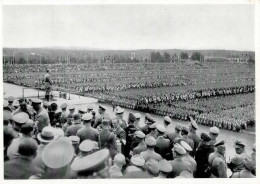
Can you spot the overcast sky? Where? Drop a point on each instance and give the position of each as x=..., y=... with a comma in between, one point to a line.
x=130, y=26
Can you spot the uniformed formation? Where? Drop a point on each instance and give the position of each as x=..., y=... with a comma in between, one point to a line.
x=45, y=141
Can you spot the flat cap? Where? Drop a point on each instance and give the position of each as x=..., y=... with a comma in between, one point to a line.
x=119, y=110
x=82, y=109
x=58, y=153
x=87, y=117
x=137, y=115
x=36, y=101
x=152, y=166
x=194, y=124
x=186, y=146
x=165, y=166
x=160, y=128
x=71, y=107
x=21, y=117
x=149, y=118
x=86, y=145
x=10, y=99
x=120, y=159
x=205, y=137
x=101, y=107
x=214, y=130
x=91, y=106
x=139, y=134
x=152, y=126
x=137, y=160
x=239, y=143
x=74, y=139
x=63, y=106
x=91, y=163
x=132, y=117
x=179, y=149
x=167, y=119
x=220, y=143
x=150, y=141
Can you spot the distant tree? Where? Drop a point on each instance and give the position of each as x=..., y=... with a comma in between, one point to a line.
x=196, y=56
x=184, y=55
x=166, y=57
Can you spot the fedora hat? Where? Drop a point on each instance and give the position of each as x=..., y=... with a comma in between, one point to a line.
x=47, y=135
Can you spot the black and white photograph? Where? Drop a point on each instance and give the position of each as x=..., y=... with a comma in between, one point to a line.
x=129, y=91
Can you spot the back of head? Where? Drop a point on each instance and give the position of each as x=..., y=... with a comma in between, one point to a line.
x=54, y=107
x=27, y=147
x=105, y=122
x=8, y=136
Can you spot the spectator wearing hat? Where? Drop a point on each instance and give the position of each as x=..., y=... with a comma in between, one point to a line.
x=107, y=139
x=10, y=100
x=115, y=170
x=152, y=130
x=150, y=153
x=24, y=107
x=75, y=143
x=46, y=105
x=193, y=127
x=216, y=161
x=246, y=172
x=71, y=110
x=90, y=108
x=165, y=168
x=201, y=156
x=86, y=147
x=41, y=117
x=87, y=132
x=64, y=114
x=48, y=84
x=213, y=133
x=119, y=114
x=184, y=133
x=135, y=172
x=93, y=166
x=138, y=161
x=178, y=164
x=82, y=110
x=162, y=145
x=240, y=149
x=19, y=119
x=137, y=121
x=102, y=115
x=52, y=110
x=236, y=164
x=72, y=129
x=130, y=130
x=173, y=135
x=149, y=120
x=139, y=138
x=167, y=121
x=25, y=132
x=45, y=137
x=187, y=157
x=8, y=138
x=21, y=167
x=56, y=157
x=119, y=132
x=152, y=168
x=70, y=121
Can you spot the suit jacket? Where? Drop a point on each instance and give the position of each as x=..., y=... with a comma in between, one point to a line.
x=19, y=168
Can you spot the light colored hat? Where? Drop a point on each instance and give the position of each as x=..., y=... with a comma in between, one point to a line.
x=7, y=115
x=153, y=126
x=91, y=106
x=36, y=101
x=10, y=99
x=71, y=107
x=214, y=130
x=132, y=168
x=87, y=117
x=139, y=134
x=194, y=124
x=21, y=117
x=178, y=127
x=92, y=162
x=137, y=115
x=165, y=166
x=58, y=153
x=47, y=135
x=186, y=174
x=179, y=149
x=86, y=145
x=45, y=103
x=167, y=119
x=161, y=128
x=149, y=118
x=58, y=110
x=83, y=109
x=150, y=141
x=119, y=110
x=137, y=160
x=185, y=146
x=120, y=158
x=74, y=139
x=153, y=166
x=63, y=106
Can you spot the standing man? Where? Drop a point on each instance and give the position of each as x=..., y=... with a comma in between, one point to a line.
x=213, y=133
x=10, y=100
x=119, y=114
x=48, y=84
x=193, y=126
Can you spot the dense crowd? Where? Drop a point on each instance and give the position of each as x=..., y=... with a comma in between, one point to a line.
x=45, y=141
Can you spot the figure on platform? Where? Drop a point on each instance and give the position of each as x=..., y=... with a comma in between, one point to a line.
x=48, y=85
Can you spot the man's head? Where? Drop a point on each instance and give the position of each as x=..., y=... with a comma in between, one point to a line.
x=115, y=122
x=28, y=147
x=119, y=112
x=77, y=118
x=101, y=109
x=184, y=131
x=87, y=118
x=36, y=104
x=213, y=132
x=10, y=99
x=220, y=147
x=150, y=142
x=239, y=146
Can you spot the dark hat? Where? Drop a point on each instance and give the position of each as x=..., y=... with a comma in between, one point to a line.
x=77, y=116
x=27, y=128
x=219, y=143
x=185, y=130
x=6, y=108
x=205, y=137
x=132, y=117
x=149, y=118
x=239, y=144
